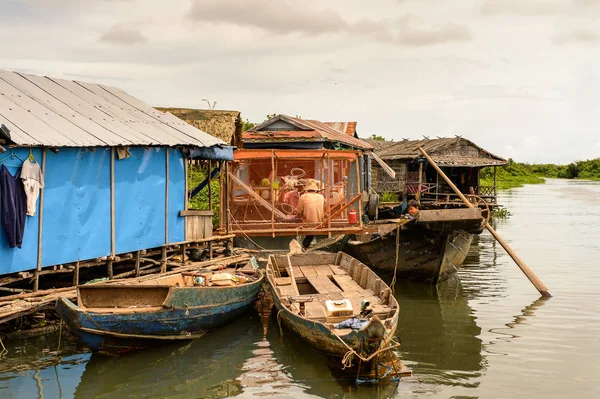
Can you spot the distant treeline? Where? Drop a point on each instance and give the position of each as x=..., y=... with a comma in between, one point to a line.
x=515, y=174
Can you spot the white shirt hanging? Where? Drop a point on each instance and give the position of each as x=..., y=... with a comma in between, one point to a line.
x=33, y=180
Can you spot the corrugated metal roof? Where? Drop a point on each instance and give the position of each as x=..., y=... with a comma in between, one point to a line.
x=308, y=129
x=43, y=111
x=348, y=128
x=455, y=151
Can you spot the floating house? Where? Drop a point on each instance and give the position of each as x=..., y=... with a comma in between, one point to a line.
x=277, y=159
x=114, y=176
x=459, y=158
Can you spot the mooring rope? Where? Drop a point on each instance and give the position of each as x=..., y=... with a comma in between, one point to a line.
x=4, y=351
x=243, y=232
x=393, y=283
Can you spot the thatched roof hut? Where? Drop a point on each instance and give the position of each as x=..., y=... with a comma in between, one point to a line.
x=218, y=123
x=447, y=151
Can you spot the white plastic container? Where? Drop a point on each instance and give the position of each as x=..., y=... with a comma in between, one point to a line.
x=222, y=279
x=338, y=308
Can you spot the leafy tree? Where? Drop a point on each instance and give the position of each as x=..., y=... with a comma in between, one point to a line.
x=247, y=125
x=377, y=137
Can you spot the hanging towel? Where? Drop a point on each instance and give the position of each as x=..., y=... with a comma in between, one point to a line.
x=33, y=180
x=13, y=207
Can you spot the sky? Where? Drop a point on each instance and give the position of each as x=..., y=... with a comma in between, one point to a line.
x=520, y=78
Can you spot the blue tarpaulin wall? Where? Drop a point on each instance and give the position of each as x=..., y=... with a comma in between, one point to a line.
x=76, y=206
x=77, y=218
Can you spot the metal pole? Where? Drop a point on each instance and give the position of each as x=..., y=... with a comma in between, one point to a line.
x=528, y=273
x=112, y=213
x=36, y=282
x=418, y=194
x=167, y=196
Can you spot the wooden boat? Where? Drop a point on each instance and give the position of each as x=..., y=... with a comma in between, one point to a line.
x=117, y=318
x=431, y=247
x=308, y=291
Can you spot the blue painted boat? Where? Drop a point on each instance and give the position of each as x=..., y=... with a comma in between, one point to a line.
x=117, y=318
x=336, y=304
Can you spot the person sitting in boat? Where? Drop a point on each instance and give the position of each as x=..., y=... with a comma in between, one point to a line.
x=412, y=209
x=311, y=207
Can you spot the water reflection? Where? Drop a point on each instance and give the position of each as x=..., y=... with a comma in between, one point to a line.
x=526, y=313
x=439, y=335
x=316, y=373
x=204, y=368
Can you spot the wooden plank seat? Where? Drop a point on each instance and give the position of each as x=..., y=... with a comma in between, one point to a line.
x=314, y=310
x=297, y=272
x=286, y=290
x=283, y=281
x=346, y=283
x=322, y=284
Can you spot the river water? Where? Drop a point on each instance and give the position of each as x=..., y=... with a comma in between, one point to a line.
x=484, y=334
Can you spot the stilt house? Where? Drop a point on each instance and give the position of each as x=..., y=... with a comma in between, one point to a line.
x=459, y=158
x=114, y=175
x=277, y=159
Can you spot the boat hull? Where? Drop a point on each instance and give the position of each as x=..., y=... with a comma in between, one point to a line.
x=424, y=254
x=186, y=314
x=319, y=337
x=323, y=279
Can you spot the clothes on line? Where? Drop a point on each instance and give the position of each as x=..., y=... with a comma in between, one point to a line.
x=33, y=181
x=13, y=207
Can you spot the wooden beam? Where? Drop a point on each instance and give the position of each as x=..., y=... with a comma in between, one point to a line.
x=112, y=203
x=210, y=200
x=167, y=195
x=76, y=274
x=36, y=282
x=257, y=197
x=342, y=209
x=137, y=263
x=418, y=194
x=274, y=176
x=528, y=273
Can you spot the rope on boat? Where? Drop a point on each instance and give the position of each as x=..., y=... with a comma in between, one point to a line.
x=393, y=283
x=347, y=359
x=4, y=351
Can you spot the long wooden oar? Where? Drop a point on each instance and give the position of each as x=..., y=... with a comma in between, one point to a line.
x=527, y=271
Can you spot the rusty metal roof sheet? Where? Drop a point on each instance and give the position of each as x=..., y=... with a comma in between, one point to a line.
x=348, y=128
x=310, y=130
x=451, y=151
x=44, y=111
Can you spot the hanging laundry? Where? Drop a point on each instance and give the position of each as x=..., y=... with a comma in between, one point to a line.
x=13, y=207
x=33, y=180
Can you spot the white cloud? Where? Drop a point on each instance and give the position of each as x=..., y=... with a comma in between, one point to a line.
x=400, y=68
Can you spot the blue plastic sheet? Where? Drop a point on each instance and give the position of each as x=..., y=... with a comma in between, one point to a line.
x=140, y=200
x=76, y=205
x=176, y=196
x=219, y=153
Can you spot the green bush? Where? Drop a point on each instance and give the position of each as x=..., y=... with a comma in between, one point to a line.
x=196, y=175
x=389, y=197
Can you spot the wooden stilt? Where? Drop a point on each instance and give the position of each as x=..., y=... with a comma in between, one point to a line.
x=183, y=248
x=109, y=269
x=76, y=274
x=163, y=260
x=137, y=264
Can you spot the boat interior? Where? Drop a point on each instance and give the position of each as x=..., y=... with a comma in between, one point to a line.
x=140, y=296
x=325, y=276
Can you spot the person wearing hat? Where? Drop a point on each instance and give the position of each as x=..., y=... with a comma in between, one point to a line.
x=311, y=207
